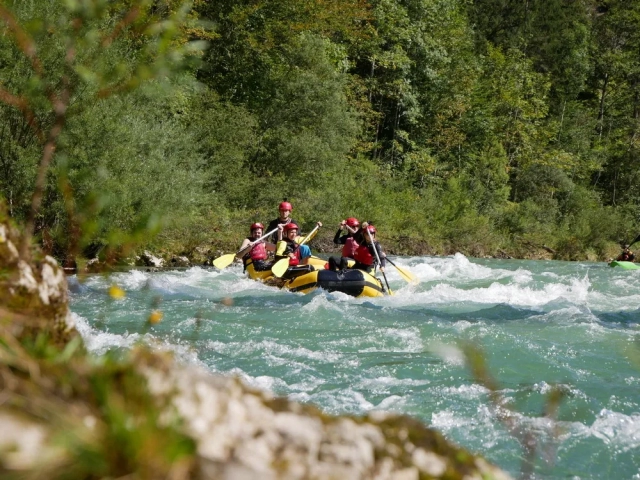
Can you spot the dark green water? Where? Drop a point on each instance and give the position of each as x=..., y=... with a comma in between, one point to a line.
x=576, y=325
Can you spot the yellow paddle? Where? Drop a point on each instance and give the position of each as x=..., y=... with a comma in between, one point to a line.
x=406, y=274
x=375, y=250
x=281, y=265
x=224, y=261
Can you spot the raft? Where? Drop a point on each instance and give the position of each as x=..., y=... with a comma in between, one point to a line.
x=306, y=278
x=625, y=265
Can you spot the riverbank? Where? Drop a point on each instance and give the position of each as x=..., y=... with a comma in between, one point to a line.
x=176, y=252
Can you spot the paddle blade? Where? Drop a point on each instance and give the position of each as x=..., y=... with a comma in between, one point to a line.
x=280, y=267
x=224, y=261
x=407, y=275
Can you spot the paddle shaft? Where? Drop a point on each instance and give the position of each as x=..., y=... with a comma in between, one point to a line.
x=637, y=239
x=375, y=250
x=256, y=241
x=306, y=239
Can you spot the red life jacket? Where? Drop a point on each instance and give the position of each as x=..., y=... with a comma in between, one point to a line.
x=363, y=255
x=292, y=247
x=350, y=247
x=259, y=252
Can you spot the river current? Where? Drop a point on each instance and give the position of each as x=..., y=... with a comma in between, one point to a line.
x=540, y=324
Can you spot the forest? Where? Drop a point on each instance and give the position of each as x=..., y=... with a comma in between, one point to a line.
x=479, y=126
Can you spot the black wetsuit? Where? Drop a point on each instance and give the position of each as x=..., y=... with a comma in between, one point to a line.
x=341, y=264
x=340, y=239
x=274, y=224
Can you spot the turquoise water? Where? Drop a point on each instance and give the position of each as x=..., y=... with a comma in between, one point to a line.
x=539, y=323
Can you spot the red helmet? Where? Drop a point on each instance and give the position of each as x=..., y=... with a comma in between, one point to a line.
x=353, y=222
x=285, y=206
x=256, y=225
x=371, y=228
x=290, y=226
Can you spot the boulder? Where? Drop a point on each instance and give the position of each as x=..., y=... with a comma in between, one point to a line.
x=147, y=259
x=180, y=261
x=34, y=286
x=242, y=433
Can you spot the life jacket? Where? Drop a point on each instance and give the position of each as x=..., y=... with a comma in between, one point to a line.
x=292, y=247
x=257, y=252
x=350, y=247
x=363, y=255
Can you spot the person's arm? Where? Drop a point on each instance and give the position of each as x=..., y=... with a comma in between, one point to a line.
x=246, y=243
x=299, y=238
x=337, y=239
x=381, y=255
x=281, y=246
x=271, y=247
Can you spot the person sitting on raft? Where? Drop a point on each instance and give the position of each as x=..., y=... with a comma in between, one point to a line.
x=626, y=255
x=258, y=252
x=351, y=225
x=284, y=218
x=365, y=255
x=288, y=245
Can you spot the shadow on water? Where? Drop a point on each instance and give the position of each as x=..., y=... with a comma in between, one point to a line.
x=496, y=314
x=621, y=319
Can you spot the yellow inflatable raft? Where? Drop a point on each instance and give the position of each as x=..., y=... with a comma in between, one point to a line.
x=306, y=278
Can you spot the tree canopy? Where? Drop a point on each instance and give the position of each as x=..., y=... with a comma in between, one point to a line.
x=455, y=122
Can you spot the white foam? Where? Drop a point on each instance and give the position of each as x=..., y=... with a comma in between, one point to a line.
x=498, y=293
x=270, y=347
x=385, y=382
x=620, y=430
x=337, y=402
x=460, y=268
x=322, y=302
x=391, y=403
x=98, y=342
x=396, y=340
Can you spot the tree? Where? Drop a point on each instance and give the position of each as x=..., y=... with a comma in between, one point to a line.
x=61, y=59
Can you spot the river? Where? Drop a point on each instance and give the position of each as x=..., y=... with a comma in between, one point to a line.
x=539, y=323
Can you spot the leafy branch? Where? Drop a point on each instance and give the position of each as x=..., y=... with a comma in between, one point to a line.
x=50, y=92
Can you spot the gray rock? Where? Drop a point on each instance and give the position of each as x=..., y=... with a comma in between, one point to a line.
x=180, y=261
x=149, y=260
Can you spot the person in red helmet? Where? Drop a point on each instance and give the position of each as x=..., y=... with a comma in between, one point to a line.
x=284, y=217
x=289, y=245
x=365, y=255
x=257, y=253
x=351, y=225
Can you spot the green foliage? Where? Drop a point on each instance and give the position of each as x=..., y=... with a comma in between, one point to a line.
x=63, y=64
x=308, y=125
x=459, y=122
